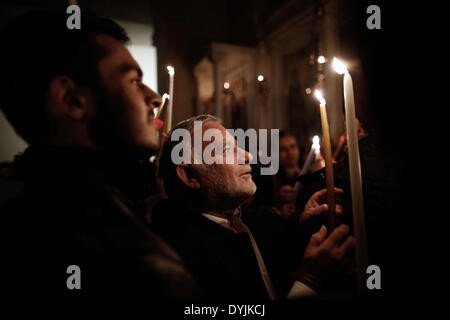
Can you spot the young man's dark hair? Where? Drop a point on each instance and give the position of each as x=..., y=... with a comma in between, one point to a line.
x=34, y=51
x=285, y=133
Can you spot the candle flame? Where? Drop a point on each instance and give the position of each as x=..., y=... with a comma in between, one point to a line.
x=260, y=77
x=171, y=70
x=226, y=85
x=316, y=144
x=339, y=66
x=161, y=107
x=319, y=97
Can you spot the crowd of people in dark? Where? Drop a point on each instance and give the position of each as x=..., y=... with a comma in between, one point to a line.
x=84, y=192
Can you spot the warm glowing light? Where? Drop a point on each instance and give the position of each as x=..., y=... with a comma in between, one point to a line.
x=316, y=143
x=165, y=97
x=316, y=140
x=319, y=97
x=321, y=59
x=338, y=66
x=171, y=70
x=226, y=85
x=308, y=90
x=317, y=148
x=260, y=77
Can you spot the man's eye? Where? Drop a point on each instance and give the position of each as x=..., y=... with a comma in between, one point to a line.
x=136, y=80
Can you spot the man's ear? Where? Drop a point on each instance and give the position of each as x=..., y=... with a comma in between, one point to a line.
x=185, y=173
x=68, y=98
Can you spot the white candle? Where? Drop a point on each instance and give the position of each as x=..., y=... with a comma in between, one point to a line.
x=171, y=96
x=311, y=155
x=355, y=176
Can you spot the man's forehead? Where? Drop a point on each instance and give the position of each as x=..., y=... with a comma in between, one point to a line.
x=224, y=137
x=217, y=126
x=212, y=125
x=287, y=140
x=115, y=50
x=108, y=42
x=117, y=60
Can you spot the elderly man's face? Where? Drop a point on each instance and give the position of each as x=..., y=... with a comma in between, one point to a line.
x=227, y=183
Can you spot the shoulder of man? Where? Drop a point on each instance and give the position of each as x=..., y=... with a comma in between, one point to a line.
x=92, y=228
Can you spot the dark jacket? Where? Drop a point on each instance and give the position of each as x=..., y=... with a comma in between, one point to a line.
x=223, y=262
x=72, y=212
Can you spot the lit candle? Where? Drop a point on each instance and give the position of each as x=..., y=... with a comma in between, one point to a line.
x=311, y=155
x=359, y=223
x=170, y=106
x=328, y=161
x=164, y=99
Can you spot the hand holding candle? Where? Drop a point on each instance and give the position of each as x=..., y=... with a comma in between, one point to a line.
x=328, y=161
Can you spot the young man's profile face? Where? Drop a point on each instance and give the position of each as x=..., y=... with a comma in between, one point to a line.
x=128, y=102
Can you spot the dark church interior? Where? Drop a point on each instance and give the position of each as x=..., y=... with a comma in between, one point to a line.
x=353, y=198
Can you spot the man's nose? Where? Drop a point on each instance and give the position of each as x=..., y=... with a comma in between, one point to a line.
x=152, y=98
x=248, y=157
x=244, y=156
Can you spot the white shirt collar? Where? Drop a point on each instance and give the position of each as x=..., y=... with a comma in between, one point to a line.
x=220, y=221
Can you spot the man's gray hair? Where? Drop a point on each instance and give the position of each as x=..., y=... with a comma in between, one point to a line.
x=167, y=169
x=188, y=124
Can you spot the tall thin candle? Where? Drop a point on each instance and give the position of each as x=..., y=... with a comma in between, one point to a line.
x=171, y=96
x=328, y=161
x=355, y=176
